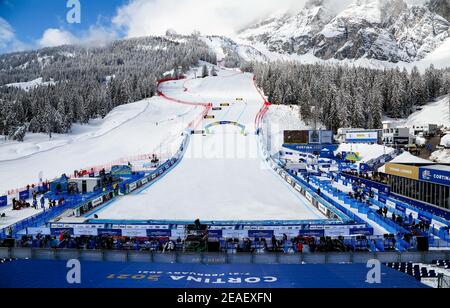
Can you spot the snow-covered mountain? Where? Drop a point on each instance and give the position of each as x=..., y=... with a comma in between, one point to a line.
x=386, y=30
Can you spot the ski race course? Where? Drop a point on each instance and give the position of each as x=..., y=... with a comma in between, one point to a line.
x=222, y=176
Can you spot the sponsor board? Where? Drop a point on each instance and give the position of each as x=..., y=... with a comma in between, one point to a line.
x=309, y=197
x=3, y=201
x=24, y=195
x=134, y=232
x=37, y=231
x=260, y=233
x=406, y=171
x=441, y=177
x=209, y=117
x=362, y=137
x=235, y=233
x=324, y=210
x=133, y=186
x=159, y=233
x=97, y=201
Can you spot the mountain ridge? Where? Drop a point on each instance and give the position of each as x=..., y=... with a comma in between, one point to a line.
x=383, y=30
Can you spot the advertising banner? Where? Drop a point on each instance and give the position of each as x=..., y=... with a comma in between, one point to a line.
x=410, y=172
x=37, y=231
x=362, y=231
x=216, y=234
x=260, y=233
x=424, y=219
x=58, y=231
x=3, y=201
x=24, y=195
x=134, y=232
x=110, y=232
x=159, y=233
x=400, y=208
x=312, y=233
x=235, y=233
x=362, y=137
x=441, y=177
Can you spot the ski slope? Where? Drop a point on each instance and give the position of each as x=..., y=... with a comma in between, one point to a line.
x=149, y=126
x=222, y=176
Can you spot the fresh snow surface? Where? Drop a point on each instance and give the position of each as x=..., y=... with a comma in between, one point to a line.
x=441, y=156
x=408, y=158
x=440, y=58
x=149, y=126
x=222, y=176
x=367, y=152
x=445, y=141
x=30, y=85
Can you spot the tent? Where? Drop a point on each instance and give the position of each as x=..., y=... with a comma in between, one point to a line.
x=60, y=185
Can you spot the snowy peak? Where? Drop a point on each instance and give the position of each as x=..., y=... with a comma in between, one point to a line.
x=387, y=30
x=292, y=33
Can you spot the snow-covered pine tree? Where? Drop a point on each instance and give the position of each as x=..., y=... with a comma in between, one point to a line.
x=205, y=71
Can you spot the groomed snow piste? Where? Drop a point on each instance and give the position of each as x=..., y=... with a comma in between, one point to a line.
x=222, y=176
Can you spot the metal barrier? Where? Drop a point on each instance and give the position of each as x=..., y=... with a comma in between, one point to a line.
x=222, y=258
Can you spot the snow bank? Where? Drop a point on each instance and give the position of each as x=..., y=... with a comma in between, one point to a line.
x=29, y=85
x=432, y=113
x=441, y=156
x=149, y=126
x=408, y=158
x=445, y=141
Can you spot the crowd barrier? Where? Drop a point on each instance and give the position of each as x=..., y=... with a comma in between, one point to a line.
x=222, y=258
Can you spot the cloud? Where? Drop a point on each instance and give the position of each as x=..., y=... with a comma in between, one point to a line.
x=225, y=17
x=56, y=37
x=95, y=35
x=8, y=39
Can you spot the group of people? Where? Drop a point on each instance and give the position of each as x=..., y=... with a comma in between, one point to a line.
x=375, y=177
x=36, y=203
x=66, y=241
x=299, y=244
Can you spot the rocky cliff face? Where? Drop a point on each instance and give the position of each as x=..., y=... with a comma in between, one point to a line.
x=387, y=30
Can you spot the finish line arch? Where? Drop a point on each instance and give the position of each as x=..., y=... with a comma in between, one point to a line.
x=211, y=125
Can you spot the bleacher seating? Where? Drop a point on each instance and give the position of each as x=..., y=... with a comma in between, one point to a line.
x=442, y=263
x=415, y=270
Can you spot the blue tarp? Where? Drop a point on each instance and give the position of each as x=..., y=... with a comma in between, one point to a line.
x=52, y=274
x=3, y=201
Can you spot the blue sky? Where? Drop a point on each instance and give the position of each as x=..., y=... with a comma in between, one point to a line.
x=32, y=24
x=29, y=19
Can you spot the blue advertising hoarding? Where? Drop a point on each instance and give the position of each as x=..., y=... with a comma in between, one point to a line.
x=441, y=177
x=3, y=201
x=53, y=274
x=311, y=148
x=24, y=195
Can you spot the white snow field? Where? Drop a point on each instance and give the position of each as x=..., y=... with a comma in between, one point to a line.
x=432, y=113
x=149, y=126
x=222, y=176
